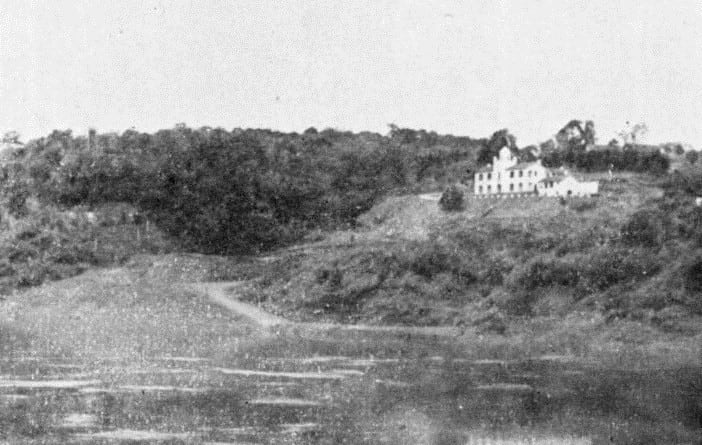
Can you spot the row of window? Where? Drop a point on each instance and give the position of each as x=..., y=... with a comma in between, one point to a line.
x=511, y=174
x=499, y=188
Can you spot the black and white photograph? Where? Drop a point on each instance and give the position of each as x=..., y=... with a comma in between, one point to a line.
x=251, y=222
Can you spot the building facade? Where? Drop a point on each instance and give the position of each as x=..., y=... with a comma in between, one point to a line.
x=508, y=177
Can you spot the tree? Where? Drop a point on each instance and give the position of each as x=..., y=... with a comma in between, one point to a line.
x=402, y=135
x=631, y=133
x=498, y=140
x=576, y=137
x=692, y=156
x=451, y=200
x=11, y=137
x=589, y=133
x=529, y=154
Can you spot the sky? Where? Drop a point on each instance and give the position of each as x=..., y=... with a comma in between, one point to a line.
x=463, y=67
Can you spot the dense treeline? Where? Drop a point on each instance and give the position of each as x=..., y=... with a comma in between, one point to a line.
x=572, y=147
x=232, y=191
x=220, y=191
x=628, y=159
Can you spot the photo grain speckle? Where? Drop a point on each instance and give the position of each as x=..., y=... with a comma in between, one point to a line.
x=372, y=222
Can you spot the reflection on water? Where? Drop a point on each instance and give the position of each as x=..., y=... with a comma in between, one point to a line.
x=346, y=399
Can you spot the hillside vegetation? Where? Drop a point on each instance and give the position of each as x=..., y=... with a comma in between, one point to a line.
x=634, y=252
x=72, y=202
x=218, y=191
x=366, y=249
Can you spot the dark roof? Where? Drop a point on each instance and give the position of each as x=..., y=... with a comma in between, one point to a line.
x=486, y=169
x=557, y=178
x=523, y=165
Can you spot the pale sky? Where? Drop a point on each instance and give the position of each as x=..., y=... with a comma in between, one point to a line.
x=461, y=67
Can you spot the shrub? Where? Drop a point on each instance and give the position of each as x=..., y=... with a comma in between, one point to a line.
x=494, y=272
x=541, y=273
x=692, y=274
x=17, y=201
x=644, y=228
x=608, y=267
x=582, y=205
x=513, y=302
x=332, y=277
x=452, y=200
x=430, y=259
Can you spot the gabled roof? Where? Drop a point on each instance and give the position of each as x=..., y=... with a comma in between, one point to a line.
x=485, y=169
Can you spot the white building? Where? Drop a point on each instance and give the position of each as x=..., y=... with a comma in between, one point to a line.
x=508, y=177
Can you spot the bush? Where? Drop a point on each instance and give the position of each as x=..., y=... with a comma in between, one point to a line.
x=541, y=273
x=513, y=302
x=692, y=275
x=608, y=267
x=582, y=204
x=644, y=228
x=430, y=259
x=452, y=200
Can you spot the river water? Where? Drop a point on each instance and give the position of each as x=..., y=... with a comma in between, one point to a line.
x=280, y=394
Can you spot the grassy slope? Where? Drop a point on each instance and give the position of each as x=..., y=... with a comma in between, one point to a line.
x=143, y=310
x=137, y=311
x=305, y=281
x=48, y=244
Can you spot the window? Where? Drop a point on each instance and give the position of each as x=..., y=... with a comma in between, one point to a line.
x=499, y=188
x=511, y=187
x=480, y=189
x=521, y=173
x=489, y=175
x=520, y=186
x=480, y=177
x=529, y=173
x=489, y=188
x=511, y=174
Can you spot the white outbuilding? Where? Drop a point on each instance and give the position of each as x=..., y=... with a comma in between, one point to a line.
x=566, y=185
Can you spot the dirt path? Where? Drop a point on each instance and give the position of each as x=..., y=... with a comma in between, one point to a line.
x=430, y=196
x=224, y=294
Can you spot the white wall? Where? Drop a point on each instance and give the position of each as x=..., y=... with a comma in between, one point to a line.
x=501, y=178
x=570, y=186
